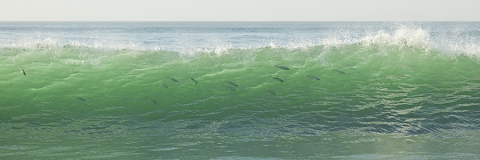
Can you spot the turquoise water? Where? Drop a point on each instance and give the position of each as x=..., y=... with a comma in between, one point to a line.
x=381, y=97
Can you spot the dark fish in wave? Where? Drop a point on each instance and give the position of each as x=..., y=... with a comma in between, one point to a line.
x=338, y=71
x=232, y=83
x=282, y=67
x=24, y=72
x=314, y=77
x=229, y=88
x=172, y=79
x=193, y=80
x=276, y=78
x=271, y=92
x=80, y=98
x=164, y=85
x=154, y=101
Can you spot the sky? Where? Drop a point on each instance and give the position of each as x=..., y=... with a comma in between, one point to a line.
x=240, y=10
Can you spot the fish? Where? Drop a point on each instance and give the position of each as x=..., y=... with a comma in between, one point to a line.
x=80, y=98
x=282, y=67
x=173, y=79
x=271, y=92
x=314, y=77
x=229, y=88
x=23, y=72
x=276, y=78
x=154, y=101
x=338, y=71
x=164, y=85
x=193, y=80
x=349, y=66
x=232, y=83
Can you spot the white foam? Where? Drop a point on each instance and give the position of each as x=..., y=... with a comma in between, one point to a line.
x=47, y=43
x=402, y=37
x=272, y=45
x=219, y=50
x=470, y=50
x=334, y=42
x=50, y=43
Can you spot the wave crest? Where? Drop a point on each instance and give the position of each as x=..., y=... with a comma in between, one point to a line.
x=404, y=36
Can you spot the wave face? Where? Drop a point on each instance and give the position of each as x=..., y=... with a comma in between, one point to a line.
x=397, y=93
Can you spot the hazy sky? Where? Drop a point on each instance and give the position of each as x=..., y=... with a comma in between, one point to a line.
x=240, y=10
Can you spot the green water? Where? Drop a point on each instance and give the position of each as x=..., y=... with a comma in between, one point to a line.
x=369, y=102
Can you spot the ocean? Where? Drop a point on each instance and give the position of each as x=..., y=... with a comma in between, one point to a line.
x=239, y=90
